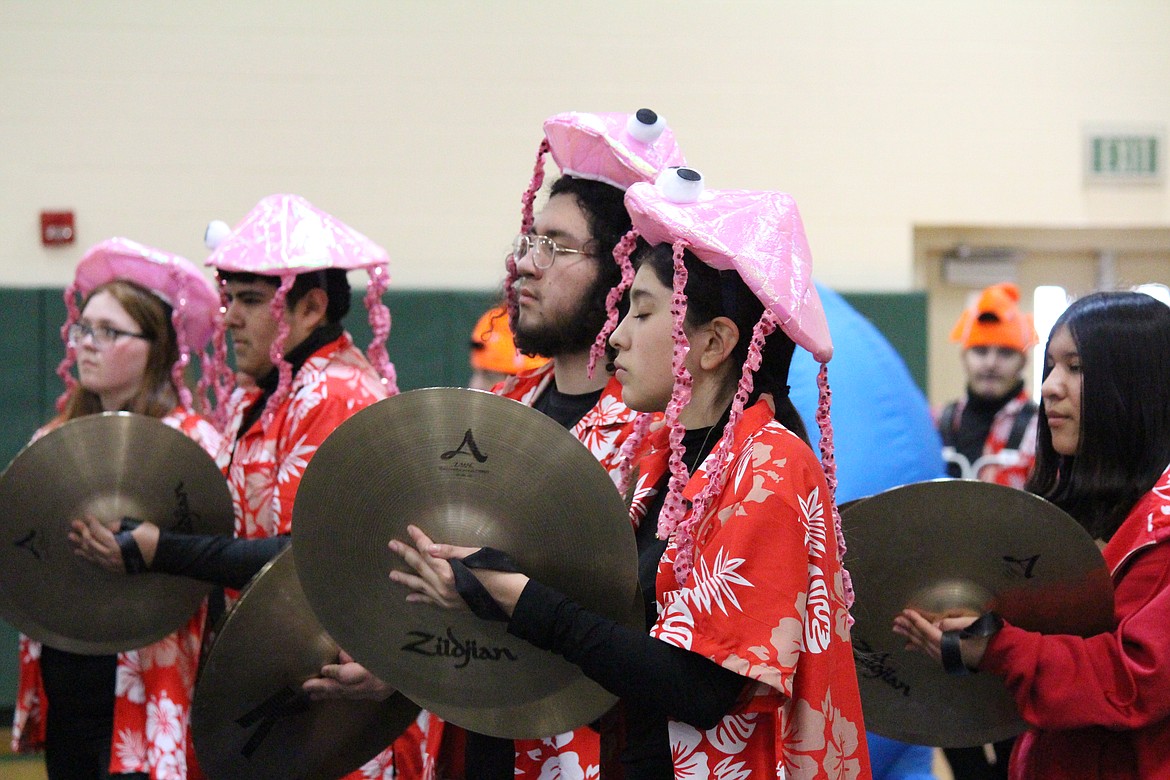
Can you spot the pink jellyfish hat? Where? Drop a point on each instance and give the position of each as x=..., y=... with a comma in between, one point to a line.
x=175, y=280
x=283, y=236
x=616, y=149
x=760, y=236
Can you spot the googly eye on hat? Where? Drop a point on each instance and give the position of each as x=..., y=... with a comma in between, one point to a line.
x=680, y=184
x=618, y=149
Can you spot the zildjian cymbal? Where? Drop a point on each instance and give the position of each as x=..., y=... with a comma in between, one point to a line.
x=543, y=716
x=250, y=719
x=113, y=466
x=469, y=469
x=960, y=547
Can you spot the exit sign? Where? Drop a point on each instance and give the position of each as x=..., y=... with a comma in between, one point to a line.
x=1124, y=154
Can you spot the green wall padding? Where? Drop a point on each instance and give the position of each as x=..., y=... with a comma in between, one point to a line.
x=901, y=317
x=428, y=344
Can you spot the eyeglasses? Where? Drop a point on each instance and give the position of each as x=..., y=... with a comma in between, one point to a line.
x=102, y=335
x=544, y=250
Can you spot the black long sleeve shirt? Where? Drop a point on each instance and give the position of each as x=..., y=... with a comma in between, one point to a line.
x=656, y=682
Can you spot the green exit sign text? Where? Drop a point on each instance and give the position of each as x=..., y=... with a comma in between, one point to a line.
x=1124, y=155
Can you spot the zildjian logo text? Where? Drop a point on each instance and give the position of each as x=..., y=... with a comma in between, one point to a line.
x=463, y=651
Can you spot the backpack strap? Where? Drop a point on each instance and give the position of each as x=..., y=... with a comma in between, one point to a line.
x=948, y=424
x=1020, y=424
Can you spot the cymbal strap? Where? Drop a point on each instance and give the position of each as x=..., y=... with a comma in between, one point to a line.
x=491, y=558
x=951, y=646
x=131, y=553
x=477, y=597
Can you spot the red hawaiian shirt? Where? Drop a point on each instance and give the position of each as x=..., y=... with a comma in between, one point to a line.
x=765, y=600
x=267, y=463
x=335, y=383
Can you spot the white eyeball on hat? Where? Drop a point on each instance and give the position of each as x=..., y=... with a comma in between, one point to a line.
x=645, y=125
x=217, y=230
x=680, y=184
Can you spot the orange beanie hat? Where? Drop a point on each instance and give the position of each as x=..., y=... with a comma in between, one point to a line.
x=995, y=320
x=492, y=347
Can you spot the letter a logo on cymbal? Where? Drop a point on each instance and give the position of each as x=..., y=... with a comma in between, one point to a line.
x=29, y=542
x=472, y=449
x=283, y=703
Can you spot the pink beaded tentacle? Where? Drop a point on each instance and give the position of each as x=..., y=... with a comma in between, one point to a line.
x=829, y=466
x=203, y=386
x=526, y=218
x=179, y=316
x=64, y=368
x=673, y=507
x=218, y=372
x=276, y=350
x=629, y=450
x=718, y=473
x=511, y=294
x=529, y=197
x=621, y=255
x=379, y=314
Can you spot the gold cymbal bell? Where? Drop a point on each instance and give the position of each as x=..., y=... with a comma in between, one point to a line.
x=113, y=466
x=250, y=719
x=961, y=547
x=470, y=469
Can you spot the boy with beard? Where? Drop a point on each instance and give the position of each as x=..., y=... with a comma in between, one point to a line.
x=560, y=273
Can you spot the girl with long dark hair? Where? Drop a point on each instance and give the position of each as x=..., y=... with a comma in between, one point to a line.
x=1099, y=706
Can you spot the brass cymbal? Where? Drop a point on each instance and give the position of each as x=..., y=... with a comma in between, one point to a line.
x=249, y=718
x=961, y=547
x=113, y=465
x=581, y=701
x=846, y=504
x=472, y=469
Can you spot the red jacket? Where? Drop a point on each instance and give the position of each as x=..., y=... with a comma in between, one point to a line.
x=1099, y=707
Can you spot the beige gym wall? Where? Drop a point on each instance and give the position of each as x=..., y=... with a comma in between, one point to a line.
x=417, y=122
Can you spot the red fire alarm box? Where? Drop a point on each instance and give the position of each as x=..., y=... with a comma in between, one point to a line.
x=57, y=228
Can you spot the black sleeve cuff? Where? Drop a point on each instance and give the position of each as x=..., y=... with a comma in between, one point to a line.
x=534, y=616
x=223, y=560
x=664, y=680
